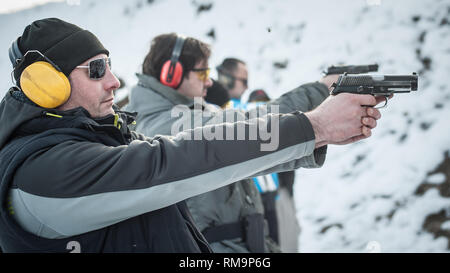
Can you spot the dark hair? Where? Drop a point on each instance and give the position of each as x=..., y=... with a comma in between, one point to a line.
x=229, y=65
x=161, y=49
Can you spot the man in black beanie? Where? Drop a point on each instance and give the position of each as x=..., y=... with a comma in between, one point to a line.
x=67, y=45
x=75, y=178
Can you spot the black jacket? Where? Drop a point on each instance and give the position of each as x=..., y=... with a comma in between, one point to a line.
x=132, y=235
x=70, y=182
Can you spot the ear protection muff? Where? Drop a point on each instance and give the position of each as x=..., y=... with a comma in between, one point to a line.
x=45, y=85
x=172, y=70
x=225, y=79
x=42, y=82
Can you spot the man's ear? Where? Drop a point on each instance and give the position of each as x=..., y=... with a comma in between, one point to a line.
x=185, y=76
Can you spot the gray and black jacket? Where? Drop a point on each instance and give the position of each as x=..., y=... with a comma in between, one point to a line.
x=216, y=211
x=73, y=183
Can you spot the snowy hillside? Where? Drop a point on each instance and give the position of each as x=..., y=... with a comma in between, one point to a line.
x=389, y=193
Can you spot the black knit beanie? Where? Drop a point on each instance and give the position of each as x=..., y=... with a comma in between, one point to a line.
x=63, y=43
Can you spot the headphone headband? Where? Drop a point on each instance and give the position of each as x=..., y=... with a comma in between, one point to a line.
x=176, y=52
x=14, y=52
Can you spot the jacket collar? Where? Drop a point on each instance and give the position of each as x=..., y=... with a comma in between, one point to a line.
x=46, y=119
x=169, y=93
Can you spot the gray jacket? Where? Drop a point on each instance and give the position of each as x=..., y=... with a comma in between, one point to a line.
x=155, y=102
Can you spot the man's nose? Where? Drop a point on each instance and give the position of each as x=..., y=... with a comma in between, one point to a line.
x=208, y=83
x=111, y=81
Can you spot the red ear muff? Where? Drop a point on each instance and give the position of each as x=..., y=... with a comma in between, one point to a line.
x=172, y=70
x=171, y=75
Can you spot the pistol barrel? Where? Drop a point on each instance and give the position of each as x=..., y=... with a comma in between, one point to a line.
x=375, y=84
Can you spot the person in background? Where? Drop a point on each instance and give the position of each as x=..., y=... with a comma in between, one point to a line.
x=231, y=217
x=258, y=95
x=233, y=76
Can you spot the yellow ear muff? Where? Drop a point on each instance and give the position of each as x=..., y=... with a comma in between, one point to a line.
x=44, y=85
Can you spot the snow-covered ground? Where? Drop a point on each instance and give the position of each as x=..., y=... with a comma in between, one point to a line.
x=389, y=193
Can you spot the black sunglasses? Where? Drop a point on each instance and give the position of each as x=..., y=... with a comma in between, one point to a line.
x=97, y=68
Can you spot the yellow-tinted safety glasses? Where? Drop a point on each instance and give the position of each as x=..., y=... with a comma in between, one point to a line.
x=202, y=73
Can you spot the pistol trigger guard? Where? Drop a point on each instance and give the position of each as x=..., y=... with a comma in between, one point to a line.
x=386, y=98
